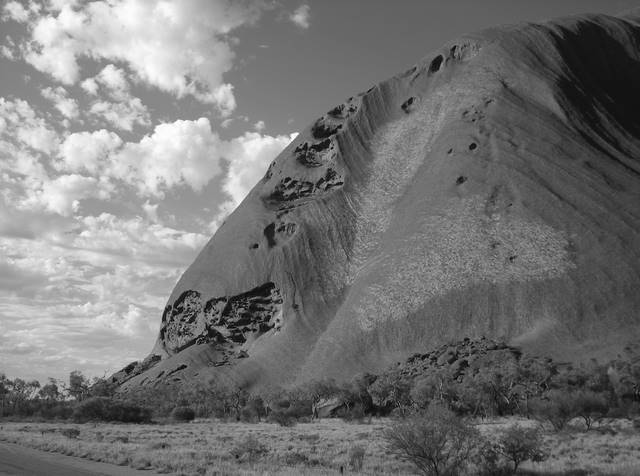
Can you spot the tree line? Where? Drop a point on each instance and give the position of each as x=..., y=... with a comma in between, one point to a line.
x=527, y=386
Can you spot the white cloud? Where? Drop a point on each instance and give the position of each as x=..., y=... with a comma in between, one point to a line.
x=87, y=151
x=301, y=15
x=122, y=110
x=177, y=153
x=259, y=126
x=16, y=11
x=90, y=86
x=123, y=115
x=151, y=211
x=115, y=80
x=179, y=46
x=62, y=195
x=67, y=106
x=21, y=123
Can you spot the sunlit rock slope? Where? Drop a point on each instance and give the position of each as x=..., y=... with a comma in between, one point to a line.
x=492, y=189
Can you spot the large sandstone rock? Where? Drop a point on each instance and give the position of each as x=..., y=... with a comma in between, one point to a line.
x=493, y=189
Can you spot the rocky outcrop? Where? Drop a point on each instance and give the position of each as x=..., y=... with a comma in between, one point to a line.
x=492, y=189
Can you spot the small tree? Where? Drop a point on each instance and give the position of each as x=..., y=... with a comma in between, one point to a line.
x=78, y=385
x=50, y=392
x=557, y=407
x=519, y=444
x=590, y=406
x=392, y=389
x=437, y=443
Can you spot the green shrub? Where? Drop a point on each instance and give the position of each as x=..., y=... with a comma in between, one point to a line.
x=354, y=413
x=437, y=442
x=107, y=409
x=183, y=413
x=72, y=433
x=557, y=407
x=591, y=406
x=518, y=444
x=295, y=458
x=282, y=418
x=250, y=449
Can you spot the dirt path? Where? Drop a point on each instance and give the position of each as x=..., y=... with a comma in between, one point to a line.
x=21, y=461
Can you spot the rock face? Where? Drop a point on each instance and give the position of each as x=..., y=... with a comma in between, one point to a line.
x=493, y=189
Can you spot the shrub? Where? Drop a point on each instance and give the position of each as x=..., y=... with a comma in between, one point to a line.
x=72, y=433
x=295, y=458
x=282, y=418
x=356, y=457
x=249, y=449
x=518, y=444
x=590, y=406
x=107, y=409
x=391, y=390
x=354, y=413
x=183, y=413
x=437, y=443
x=557, y=407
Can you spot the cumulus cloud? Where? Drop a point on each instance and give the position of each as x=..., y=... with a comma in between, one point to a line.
x=122, y=110
x=87, y=151
x=123, y=115
x=300, y=16
x=179, y=46
x=175, y=154
x=16, y=12
x=67, y=106
x=62, y=195
x=20, y=122
x=115, y=80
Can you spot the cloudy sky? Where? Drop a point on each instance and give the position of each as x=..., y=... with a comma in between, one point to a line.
x=130, y=128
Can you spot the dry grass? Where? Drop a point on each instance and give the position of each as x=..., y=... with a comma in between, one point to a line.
x=208, y=447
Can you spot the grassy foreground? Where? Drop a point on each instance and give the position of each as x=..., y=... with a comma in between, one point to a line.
x=322, y=447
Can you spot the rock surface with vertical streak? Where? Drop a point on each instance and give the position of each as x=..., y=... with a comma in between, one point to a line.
x=492, y=189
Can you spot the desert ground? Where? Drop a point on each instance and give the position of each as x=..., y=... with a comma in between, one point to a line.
x=330, y=446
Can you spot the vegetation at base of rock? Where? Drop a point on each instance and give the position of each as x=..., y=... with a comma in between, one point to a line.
x=475, y=378
x=110, y=409
x=183, y=413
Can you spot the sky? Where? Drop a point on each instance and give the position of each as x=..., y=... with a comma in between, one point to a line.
x=129, y=129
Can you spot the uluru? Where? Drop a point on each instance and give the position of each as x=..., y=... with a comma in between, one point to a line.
x=490, y=190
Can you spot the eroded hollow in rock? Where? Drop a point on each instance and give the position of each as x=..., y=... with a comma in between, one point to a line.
x=225, y=322
x=279, y=233
x=289, y=189
x=407, y=105
x=322, y=129
x=435, y=65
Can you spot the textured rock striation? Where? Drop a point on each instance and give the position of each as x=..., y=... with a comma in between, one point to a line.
x=493, y=189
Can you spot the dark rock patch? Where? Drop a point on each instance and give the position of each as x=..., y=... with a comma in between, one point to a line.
x=409, y=104
x=436, y=64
